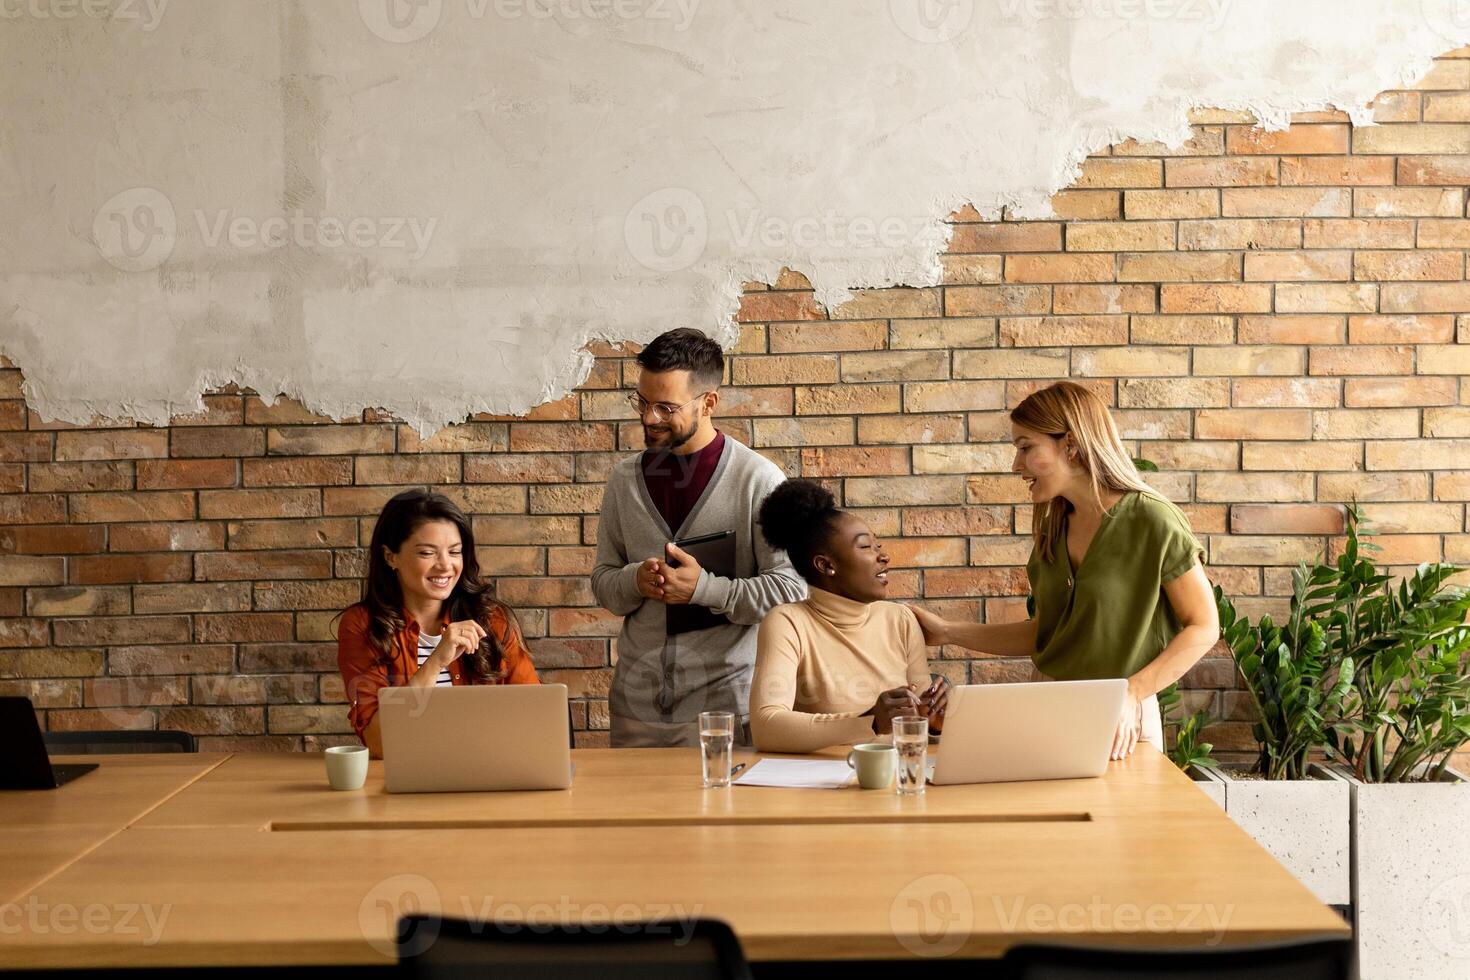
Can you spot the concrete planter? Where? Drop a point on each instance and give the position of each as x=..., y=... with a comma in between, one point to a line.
x=1211, y=783
x=1303, y=823
x=1411, y=880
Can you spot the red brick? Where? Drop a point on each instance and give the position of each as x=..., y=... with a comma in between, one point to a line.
x=78, y=477
x=122, y=569
x=899, y=301
x=768, y=306
x=224, y=441
x=561, y=437
x=1064, y=268
x=174, y=474
x=242, y=627
x=545, y=591
x=331, y=440
x=226, y=566
x=527, y=530
x=1028, y=236
x=32, y=509
x=52, y=539
x=298, y=471
x=518, y=468
x=996, y=300
x=113, y=444
x=474, y=437
x=408, y=469
x=942, y=582
x=232, y=720
x=310, y=533
x=189, y=536
x=24, y=633
x=791, y=338
x=869, y=461
x=16, y=447
x=166, y=505
x=1394, y=392
x=218, y=410
x=226, y=504
x=121, y=630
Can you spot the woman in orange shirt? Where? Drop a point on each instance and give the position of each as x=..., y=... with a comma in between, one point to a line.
x=426, y=617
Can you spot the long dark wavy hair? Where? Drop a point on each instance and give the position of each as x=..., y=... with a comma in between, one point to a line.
x=471, y=598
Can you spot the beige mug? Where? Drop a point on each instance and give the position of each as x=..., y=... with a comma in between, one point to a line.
x=347, y=766
x=876, y=764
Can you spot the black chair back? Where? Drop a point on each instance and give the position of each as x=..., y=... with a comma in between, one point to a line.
x=698, y=949
x=1326, y=959
x=118, y=743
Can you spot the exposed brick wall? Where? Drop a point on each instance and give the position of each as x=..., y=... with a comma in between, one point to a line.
x=1276, y=318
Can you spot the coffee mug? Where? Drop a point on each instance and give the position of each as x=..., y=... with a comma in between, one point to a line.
x=875, y=762
x=347, y=766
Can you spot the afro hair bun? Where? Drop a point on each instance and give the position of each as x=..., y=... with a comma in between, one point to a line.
x=793, y=512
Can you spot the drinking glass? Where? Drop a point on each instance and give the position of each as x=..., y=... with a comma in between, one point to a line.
x=911, y=739
x=716, y=747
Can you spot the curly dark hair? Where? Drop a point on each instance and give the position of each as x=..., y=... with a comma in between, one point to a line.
x=471, y=598
x=798, y=517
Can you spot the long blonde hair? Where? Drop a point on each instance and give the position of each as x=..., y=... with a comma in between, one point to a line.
x=1067, y=407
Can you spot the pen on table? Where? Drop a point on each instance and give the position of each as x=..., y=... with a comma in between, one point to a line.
x=736, y=770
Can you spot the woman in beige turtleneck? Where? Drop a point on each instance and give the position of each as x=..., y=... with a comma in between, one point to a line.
x=837, y=667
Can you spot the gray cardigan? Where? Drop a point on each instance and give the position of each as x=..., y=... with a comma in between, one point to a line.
x=661, y=683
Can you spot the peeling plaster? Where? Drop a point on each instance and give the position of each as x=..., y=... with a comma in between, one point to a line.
x=516, y=178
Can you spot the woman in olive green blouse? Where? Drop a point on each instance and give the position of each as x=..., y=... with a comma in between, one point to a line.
x=1115, y=571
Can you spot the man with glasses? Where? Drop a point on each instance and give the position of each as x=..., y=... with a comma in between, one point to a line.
x=690, y=482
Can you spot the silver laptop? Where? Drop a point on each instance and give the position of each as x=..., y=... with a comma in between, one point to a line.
x=1043, y=730
x=473, y=737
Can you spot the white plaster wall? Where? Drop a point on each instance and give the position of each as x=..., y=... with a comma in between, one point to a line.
x=517, y=177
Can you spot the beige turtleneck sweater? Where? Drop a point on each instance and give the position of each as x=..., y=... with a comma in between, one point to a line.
x=822, y=662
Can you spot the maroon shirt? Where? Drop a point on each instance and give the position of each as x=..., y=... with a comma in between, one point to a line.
x=676, y=482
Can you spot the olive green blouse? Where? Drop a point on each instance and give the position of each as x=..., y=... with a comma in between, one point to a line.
x=1110, y=617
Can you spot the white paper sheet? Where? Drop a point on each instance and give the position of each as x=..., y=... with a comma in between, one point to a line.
x=797, y=773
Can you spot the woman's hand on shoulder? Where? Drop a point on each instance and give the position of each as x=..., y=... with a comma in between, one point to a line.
x=936, y=628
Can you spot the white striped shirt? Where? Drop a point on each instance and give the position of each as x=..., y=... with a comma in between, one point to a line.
x=426, y=647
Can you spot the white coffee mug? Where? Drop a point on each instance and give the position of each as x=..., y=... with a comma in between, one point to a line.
x=347, y=766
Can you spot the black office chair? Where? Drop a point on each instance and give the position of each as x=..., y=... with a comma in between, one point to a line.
x=1325, y=959
x=702, y=949
x=118, y=742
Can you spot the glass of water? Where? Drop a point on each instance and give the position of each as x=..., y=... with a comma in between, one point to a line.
x=911, y=739
x=716, y=747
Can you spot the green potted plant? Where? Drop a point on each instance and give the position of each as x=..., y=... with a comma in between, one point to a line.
x=1185, y=745
x=1408, y=647
x=1288, y=801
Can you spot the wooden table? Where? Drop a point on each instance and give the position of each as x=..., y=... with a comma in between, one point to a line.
x=258, y=862
x=647, y=787
x=48, y=829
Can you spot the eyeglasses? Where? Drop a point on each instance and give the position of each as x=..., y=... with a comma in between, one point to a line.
x=662, y=411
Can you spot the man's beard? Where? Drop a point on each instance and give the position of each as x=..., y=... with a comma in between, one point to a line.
x=675, y=437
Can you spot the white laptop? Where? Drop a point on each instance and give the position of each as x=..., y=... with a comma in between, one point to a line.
x=475, y=737
x=1043, y=730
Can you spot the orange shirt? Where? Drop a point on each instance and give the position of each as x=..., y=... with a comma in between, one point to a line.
x=364, y=673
